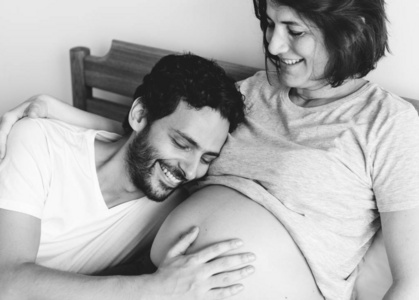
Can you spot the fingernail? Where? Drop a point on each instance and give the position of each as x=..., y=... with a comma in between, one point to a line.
x=251, y=257
x=238, y=243
x=238, y=288
x=250, y=269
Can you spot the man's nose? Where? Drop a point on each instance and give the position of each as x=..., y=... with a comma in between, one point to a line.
x=189, y=168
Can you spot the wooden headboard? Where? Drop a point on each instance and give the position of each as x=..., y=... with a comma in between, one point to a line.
x=120, y=71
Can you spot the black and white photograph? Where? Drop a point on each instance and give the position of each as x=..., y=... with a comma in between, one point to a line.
x=209, y=149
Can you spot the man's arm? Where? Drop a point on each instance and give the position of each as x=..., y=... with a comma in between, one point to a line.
x=180, y=277
x=401, y=232
x=21, y=278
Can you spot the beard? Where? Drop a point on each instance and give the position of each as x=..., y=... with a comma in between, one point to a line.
x=141, y=160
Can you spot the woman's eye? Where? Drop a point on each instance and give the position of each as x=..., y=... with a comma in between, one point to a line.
x=296, y=33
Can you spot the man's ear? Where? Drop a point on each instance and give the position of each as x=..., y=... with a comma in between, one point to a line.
x=137, y=117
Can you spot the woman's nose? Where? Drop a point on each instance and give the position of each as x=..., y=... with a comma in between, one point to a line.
x=278, y=43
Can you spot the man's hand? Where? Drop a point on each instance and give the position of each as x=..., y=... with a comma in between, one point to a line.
x=34, y=107
x=203, y=274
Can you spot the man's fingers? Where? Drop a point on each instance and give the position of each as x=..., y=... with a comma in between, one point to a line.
x=225, y=292
x=36, y=110
x=184, y=243
x=229, y=278
x=224, y=284
x=213, y=251
x=231, y=262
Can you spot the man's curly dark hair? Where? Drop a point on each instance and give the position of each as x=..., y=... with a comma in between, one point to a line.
x=198, y=81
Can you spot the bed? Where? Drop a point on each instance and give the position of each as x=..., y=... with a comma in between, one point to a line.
x=122, y=69
x=119, y=73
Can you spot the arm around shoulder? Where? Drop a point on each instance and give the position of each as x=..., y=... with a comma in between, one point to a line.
x=45, y=106
x=59, y=110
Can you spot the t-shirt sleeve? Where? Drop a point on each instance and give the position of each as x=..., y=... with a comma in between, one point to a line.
x=25, y=170
x=250, y=87
x=395, y=163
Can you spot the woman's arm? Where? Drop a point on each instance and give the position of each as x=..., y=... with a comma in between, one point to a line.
x=44, y=106
x=401, y=239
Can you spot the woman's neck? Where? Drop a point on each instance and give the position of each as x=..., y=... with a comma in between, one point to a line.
x=306, y=97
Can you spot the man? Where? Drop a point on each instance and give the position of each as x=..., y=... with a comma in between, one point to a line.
x=76, y=201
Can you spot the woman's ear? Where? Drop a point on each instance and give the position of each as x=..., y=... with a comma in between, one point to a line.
x=137, y=117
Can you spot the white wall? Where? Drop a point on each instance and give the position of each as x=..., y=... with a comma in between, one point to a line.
x=399, y=71
x=35, y=37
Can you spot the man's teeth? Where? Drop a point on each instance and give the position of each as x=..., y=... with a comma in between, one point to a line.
x=170, y=175
x=290, y=61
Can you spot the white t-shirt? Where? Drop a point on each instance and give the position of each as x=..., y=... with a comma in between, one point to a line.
x=325, y=172
x=49, y=172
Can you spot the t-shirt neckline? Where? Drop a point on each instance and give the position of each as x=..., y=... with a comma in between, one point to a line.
x=284, y=95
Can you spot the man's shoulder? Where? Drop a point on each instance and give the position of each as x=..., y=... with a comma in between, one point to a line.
x=42, y=134
x=35, y=128
x=28, y=167
x=26, y=130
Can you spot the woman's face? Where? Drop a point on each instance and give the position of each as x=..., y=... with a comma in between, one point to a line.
x=299, y=45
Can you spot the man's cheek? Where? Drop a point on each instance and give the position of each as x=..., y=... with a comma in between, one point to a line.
x=203, y=172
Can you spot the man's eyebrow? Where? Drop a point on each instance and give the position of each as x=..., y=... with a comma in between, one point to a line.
x=191, y=141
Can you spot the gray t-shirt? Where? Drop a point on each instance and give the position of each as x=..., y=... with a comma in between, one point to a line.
x=325, y=172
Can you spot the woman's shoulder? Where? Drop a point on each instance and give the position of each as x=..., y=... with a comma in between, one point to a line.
x=386, y=100
x=373, y=102
x=377, y=113
x=259, y=78
x=261, y=85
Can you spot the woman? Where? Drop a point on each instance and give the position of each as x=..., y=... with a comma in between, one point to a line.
x=332, y=156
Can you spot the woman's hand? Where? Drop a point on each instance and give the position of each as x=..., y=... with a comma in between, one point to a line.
x=34, y=107
x=204, y=274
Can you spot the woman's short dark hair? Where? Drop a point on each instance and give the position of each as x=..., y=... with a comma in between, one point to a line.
x=198, y=81
x=355, y=33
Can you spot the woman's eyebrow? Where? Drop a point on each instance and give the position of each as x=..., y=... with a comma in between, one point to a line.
x=285, y=22
x=291, y=23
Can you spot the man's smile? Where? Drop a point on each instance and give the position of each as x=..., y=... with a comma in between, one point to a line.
x=170, y=177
